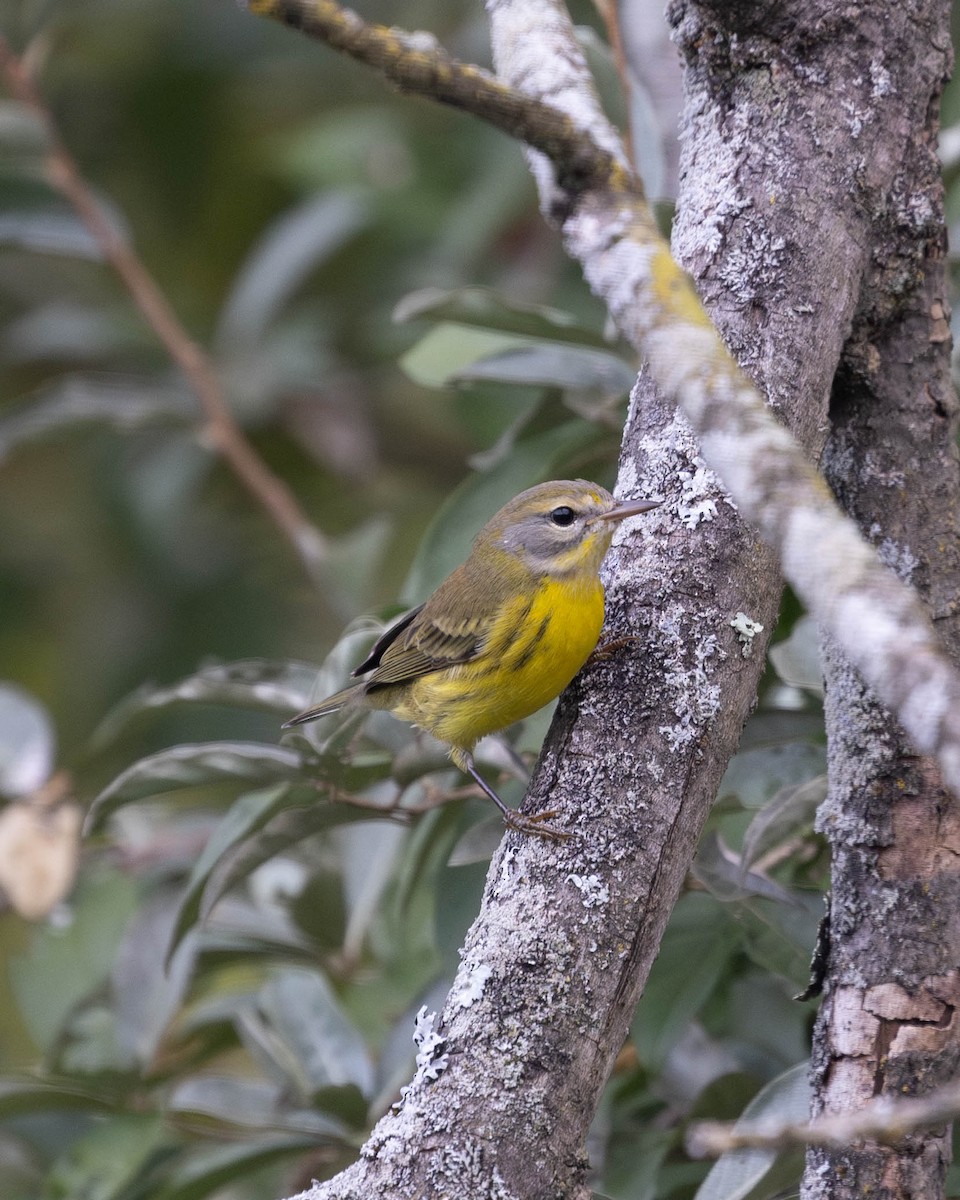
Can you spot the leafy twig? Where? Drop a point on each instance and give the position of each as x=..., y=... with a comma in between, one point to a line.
x=222, y=431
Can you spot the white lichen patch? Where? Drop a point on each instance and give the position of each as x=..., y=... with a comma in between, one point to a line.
x=431, y=1060
x=594, y=891
x=695, y=503
x=898, y=558
x=693, y=697
x=746, y=630
x=882, y=84
x=469, y=984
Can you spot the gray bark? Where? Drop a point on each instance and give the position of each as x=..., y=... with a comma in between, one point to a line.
x=872, y=215
x=888, y=1024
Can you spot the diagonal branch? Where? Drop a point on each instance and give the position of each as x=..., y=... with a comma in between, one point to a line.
x=416, y=63
x=607, y=226
x=222, y=431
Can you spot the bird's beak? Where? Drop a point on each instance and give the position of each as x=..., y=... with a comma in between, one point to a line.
x=629, y=509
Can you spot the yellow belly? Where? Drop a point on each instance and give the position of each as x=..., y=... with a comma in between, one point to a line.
x=528, y=659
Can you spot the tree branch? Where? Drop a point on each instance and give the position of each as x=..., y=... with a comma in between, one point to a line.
x=416, y=64
x=222, y=431
x=883, y=1120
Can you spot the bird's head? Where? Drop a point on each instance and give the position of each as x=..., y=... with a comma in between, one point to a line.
x=560, y=528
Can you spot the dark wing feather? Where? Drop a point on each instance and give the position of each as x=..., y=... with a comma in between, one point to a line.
x=449, y=629
x=386, y=640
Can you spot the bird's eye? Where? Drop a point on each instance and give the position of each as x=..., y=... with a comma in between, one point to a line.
x=563, y=515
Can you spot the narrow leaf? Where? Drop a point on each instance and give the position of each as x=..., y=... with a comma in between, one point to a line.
x=302, y=1009
x=484, y=309
x=280, y=687
x=568, y=367
x=245, y=816
x=280, y=262
x=212, y=1168
x=194, y=765
x=80, y=400
x=733, y=1176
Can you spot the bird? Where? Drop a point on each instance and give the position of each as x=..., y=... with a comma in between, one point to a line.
x=504, y=633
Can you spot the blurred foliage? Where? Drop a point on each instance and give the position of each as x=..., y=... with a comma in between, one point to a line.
x=222, y=1001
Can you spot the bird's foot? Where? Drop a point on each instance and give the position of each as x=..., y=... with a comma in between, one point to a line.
x=606, y=650
x=536, y=823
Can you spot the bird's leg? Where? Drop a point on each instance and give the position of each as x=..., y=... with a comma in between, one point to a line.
x=513, y=820
x=519, y=764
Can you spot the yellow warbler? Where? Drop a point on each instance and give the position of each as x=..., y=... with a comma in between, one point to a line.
x=504, y=633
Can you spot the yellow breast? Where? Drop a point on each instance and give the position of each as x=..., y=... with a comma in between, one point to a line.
x=536, y=646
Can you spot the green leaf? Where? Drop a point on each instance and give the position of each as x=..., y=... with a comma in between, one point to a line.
x=734, y=1175
x=147, y=991
x=65, y=963
x=572, y=368
x=484, y=309
x=244, y=817
x=756, y=776
x=698, y=946
x=797, y=659
x=790, y=812
x=781, y=937
x=290, y=249
x=23, y=1096
x=74, y=401
x=49, y=231
x=27, y=742
x=447, y=542
x=101, y=1164
x=193, y=766
x=725, y=875
x=440, y=357
x=368, y=859
x=302, y=1010
x=232, y=1102
x=288, y=828
x=281, y=687
x=212, y=1168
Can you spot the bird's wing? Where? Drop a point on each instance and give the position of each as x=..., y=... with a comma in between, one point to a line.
x=386, y=640
x=449, y=629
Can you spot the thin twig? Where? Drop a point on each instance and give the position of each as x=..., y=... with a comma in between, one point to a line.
x=886, y=1119
x=222, y=431
x=417, y=64
x=610, y=14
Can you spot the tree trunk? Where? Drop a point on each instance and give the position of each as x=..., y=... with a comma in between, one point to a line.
x=863, y=235
x=888, y=1024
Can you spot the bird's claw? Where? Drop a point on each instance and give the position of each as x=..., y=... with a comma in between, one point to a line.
x=536, y=823
x=606, y=650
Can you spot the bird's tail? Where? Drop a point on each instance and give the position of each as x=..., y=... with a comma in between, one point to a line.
x=332, y=704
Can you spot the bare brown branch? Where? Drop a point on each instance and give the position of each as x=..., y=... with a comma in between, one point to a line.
x=222, y=431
